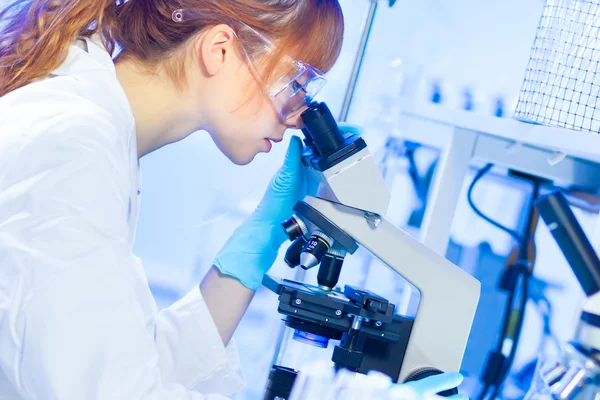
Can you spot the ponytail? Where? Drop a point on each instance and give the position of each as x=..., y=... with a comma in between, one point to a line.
x=35, y=35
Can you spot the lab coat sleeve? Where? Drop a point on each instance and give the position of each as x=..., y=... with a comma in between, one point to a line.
x=185, y=335
x=72, y=325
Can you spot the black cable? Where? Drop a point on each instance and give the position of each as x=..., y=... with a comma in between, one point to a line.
x=505, y=326
x=478, y=176
x=522, y=272
x=509, y=303
x=506, y=319
x=483, y=392
x=515, y=343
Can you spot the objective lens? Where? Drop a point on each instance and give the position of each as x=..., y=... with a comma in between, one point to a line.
x=294, y=227
x=329, y=272
x=318, y=245
x=292, y=255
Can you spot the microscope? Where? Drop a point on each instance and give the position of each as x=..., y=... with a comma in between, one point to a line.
x=349, y=211
x=575, y=375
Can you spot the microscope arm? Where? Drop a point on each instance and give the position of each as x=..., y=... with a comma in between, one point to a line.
x=449, y=296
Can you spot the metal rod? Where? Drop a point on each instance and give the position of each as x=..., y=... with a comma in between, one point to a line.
x=357, y=323
x=283, y=337
x=360, y=55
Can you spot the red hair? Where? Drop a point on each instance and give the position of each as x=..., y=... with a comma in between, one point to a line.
x=37, y=33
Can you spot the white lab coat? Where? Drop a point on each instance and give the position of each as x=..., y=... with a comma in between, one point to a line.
x=77, y=319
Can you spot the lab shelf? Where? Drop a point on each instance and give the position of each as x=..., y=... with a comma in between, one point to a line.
x=583, y=145
x=565, y=156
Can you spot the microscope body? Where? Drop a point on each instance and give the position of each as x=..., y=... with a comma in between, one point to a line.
x=449, y=296
x=575, y=373
x=349, y=210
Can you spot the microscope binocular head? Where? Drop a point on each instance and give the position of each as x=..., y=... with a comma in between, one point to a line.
x=341, y=163
x=347, y=175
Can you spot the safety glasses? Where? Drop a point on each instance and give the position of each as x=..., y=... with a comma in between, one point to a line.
x=295, y=83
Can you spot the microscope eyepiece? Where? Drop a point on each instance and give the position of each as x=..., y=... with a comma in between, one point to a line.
x=308, y=140
x=322, y=129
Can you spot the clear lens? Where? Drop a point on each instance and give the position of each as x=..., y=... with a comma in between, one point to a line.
x=295, y=89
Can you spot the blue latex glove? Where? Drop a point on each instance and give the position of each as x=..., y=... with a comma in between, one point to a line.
x=252, y=249
x=438, y=383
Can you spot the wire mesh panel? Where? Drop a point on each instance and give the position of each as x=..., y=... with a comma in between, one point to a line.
x=562, y=80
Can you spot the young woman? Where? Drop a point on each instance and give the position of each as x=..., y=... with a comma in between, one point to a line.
x=86, y=89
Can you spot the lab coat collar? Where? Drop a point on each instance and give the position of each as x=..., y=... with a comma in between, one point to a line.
x=100, y=54
x=96, y=56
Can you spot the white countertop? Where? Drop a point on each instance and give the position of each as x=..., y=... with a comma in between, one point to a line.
x=583, y=145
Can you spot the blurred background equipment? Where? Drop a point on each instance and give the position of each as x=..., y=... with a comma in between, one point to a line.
x=575, y=373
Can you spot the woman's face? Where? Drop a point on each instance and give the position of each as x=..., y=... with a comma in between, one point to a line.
x=243, y=121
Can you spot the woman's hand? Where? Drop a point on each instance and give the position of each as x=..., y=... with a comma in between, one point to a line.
x=246, y=257
x=252, y=249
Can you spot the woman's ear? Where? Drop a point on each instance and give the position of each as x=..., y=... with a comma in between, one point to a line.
x=216, y=48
